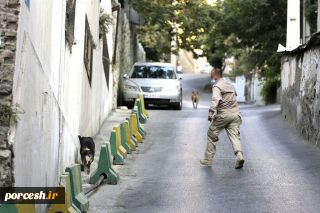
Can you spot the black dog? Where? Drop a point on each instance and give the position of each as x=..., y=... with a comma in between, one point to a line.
x=87, y=149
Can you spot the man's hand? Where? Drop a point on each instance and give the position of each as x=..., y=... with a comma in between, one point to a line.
x=210, y=115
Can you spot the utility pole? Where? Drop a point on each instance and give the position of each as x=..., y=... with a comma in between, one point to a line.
x=293, y=24
x=173, y=57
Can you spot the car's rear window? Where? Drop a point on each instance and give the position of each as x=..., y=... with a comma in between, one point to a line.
x=160, y=72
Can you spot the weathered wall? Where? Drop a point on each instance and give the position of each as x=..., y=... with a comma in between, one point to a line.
x=240, y=88
x=256, y=92
x=9, y=14
x=187, y=61
x=52, y=87
x=128, y=51
x=300, y=101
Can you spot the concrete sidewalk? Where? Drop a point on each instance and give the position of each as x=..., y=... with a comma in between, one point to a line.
x=124, y=171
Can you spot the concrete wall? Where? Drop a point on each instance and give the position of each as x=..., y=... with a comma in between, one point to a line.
x=52, y=87
x=256, y=90
x=9, y=14
x=300, y=100
x=240, y=85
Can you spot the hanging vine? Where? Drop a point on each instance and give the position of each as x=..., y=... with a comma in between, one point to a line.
x=105, y=21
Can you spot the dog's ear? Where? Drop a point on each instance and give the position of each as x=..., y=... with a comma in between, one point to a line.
x=79, y=136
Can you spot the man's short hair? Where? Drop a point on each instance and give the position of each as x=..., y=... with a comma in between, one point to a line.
x=217, y=71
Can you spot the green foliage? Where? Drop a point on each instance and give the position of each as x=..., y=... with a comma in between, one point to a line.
x=256, y=26
x=193, y=19
x=156, y=33
x=271, y=82
x=105, y=21
x=310, y=10
x=249, y=30
x=269, y=90
x=9, y=112
x=243, y=64
x=185, y=21
x=156, y=40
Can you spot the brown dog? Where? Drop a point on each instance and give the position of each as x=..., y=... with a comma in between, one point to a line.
x=195, y=98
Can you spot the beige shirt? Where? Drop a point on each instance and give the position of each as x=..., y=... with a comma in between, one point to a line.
x=224, y=97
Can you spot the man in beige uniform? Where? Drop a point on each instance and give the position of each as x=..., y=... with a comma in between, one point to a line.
x=223, y=114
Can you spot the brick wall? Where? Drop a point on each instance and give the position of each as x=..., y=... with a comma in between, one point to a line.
x=9, y=14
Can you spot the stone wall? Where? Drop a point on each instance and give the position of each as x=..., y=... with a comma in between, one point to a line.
x=300, y=90
x=9, y=14
x=128, y=51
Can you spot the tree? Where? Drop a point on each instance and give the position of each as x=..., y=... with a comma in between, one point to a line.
x=255, y=25
x=250, y=30
x=191, y=18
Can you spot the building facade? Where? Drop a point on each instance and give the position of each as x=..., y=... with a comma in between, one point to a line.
x=59, y=81
x=303, y=20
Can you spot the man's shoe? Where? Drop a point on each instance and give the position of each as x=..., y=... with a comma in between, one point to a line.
x=206, y=162
x=239, y=160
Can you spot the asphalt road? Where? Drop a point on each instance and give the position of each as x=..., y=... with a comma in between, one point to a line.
x=281, y=172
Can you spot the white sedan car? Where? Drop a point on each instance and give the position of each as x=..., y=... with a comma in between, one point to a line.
x=206, y=69
x=158, y=82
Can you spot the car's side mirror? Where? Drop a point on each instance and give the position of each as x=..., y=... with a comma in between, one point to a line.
x=125, y=76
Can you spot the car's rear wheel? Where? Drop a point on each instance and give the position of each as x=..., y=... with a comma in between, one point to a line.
x=130, y=104
x=177, y=106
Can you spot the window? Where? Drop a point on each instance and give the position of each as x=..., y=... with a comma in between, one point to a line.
x=70, y=17
x=88, y=51
x=27, y=2
x=162, y=72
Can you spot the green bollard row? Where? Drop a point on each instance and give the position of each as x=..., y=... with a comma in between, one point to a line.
x=142, y=116
x=17, y=208
x=78, y=197
x=129, y=120
x=67, y=206
x=117, y=157
x=140, y=129
x=127, y=135
x=123, y=140
x=105, y=167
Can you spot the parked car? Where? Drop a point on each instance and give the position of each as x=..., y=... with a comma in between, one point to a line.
x=158, y=82
x=179, y=74
x=206, y=69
